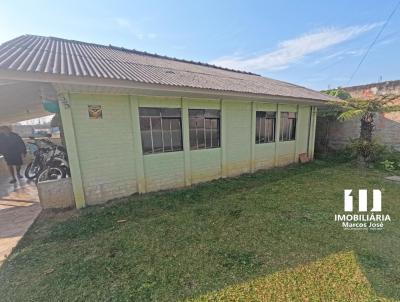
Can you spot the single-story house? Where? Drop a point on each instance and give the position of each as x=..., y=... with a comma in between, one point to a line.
x=136, y=122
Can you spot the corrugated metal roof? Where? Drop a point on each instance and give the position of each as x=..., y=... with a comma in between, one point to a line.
x=55, y=56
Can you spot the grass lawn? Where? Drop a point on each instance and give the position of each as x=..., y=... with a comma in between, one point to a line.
x=270, y=236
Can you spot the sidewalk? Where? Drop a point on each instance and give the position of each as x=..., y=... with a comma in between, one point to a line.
x=19, y=207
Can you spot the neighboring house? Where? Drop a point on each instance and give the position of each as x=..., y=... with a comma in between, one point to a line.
x=336, y=135
x=138, y=122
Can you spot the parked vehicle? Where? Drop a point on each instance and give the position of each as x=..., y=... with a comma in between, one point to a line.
x=40, y=154
x=50, y=161
x=56, y=166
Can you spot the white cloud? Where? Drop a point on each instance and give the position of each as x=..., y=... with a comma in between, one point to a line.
x=127, y=25
x=291, y=51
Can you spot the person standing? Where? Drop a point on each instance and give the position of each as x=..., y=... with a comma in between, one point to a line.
x=12, y=147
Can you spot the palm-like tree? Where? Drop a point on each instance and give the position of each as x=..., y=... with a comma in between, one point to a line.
x=366, y=110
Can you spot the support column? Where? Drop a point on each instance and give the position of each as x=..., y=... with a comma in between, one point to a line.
x=72, y=149
x=252, y=137
x=314, y=125
x=137, y=145
x=186, y=142
x=277, y=132
x=310, y=125
x=224, y=137
x=297, y=140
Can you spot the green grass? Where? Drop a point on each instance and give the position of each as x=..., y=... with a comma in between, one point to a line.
x=269, y=236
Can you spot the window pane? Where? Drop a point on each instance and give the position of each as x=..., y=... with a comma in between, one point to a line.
x=270, y=114
x=262, y=130
x=144, y=123
x=215, y=142
x=283, y=124
x=144, y=111
x=288, y=126
x=265, y=126
x=200, y=134
x=196, y=124
x=193, y=139
x=176, y=133
x=171, y=112
x=146, y=134
x=260, y=114
x=293, y=129
x=161, y=129
x=146, y=142
x=285, y=129
x=271, y=130
x=192, y=133
x=258, y=122
x=207, y=123
x=212, y=113
x=204, y=128
x=167, y=134
x=157, y=134
x=196, y=113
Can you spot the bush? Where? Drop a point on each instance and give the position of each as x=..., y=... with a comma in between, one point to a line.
x=372, y=152
x=390, y=160
x=389, y=165
x=369, y=152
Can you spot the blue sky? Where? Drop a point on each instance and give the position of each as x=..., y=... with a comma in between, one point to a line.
x=317, y=44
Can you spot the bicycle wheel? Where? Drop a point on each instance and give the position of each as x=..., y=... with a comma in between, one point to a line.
x=52, y=173
x=32, y=170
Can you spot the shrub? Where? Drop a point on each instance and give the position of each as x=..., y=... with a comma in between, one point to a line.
x=369, y=152
x=390, y=160
x=389, y=165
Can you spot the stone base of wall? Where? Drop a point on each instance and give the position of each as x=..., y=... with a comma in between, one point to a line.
x=56, y=194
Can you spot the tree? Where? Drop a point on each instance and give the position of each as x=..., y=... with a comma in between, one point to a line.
x=348, y=108
x=366, y=110
x=338, y=92
x=327, y=116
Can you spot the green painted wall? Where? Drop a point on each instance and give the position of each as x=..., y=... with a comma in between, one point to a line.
x=238, y=137
x=205, y=165
x=111, y=164
x=303, y=123
x=164, y=171
x=105, y=147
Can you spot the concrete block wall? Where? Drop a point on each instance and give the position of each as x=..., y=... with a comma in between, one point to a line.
x=164, y=171
x=387, y=131
x=55, y=194
x=387, y=126
x=110, y=164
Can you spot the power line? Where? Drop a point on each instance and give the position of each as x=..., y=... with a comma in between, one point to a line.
x=373, y=42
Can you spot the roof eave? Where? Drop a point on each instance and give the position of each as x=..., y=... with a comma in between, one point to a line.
x=145, y=88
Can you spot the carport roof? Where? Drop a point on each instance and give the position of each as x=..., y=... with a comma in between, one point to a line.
x=54, y=57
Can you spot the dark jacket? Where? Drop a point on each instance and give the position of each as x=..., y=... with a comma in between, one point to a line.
x=11, y=144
